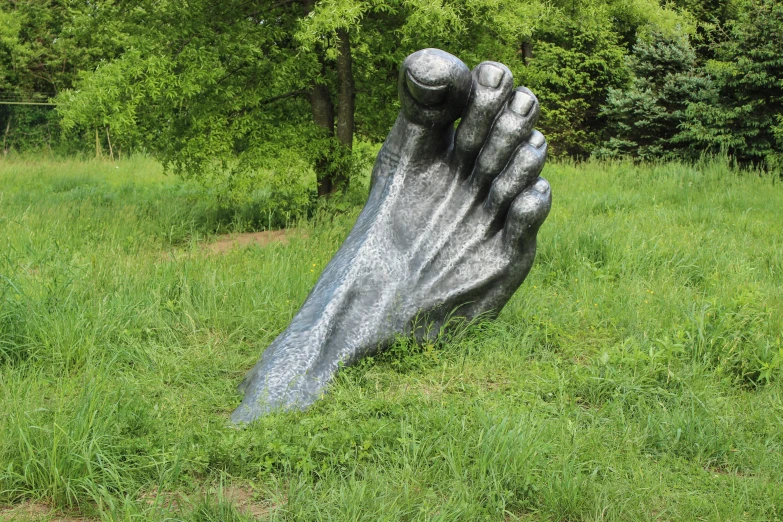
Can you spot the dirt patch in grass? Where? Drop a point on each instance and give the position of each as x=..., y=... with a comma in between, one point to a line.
x=165, y=498
x=37, y=511
x=245, y=502
x=230, y=241
x=242, y=498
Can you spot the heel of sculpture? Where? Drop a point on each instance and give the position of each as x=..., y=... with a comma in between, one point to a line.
x=279, y=382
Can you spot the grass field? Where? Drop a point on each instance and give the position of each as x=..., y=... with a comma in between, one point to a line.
x=636, y=375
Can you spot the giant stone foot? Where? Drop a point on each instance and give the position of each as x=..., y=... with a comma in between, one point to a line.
x=449, y=229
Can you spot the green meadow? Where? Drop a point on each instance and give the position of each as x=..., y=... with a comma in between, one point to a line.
x=636, y=375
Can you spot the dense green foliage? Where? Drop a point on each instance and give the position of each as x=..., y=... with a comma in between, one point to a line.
x=637, y=374
x=224, y=91
x=576, y=64
x=42, y=53
x=229, y=92
x=747, y=121
x=241, y=94
x=728, y=98
x=646, y=118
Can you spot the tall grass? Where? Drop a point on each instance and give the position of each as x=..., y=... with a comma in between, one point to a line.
x=636, y=375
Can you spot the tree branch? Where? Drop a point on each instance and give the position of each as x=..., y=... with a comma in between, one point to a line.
x=281, y=3
x=291, y=94
x=268, y=101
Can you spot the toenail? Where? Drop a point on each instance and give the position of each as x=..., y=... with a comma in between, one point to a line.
x=426, y=94
x=537, y=139
x=490, y=76
x=522, y=103
x=541, y=186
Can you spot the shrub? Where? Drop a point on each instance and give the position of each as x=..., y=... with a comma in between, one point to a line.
x=574, y=67
x=644, y=120
x=747, y=120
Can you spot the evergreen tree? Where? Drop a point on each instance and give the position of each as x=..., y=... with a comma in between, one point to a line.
x=574, y=67
x=747, y=120
x=644, y=121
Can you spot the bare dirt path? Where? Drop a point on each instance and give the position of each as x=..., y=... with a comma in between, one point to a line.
x=230, y=241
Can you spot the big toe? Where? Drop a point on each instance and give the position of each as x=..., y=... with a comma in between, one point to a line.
x=434, y=87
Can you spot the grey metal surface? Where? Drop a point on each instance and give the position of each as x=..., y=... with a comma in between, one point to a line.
x=449, y=229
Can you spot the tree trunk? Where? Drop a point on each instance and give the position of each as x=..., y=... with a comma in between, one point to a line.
x=331, y=171
x=5, y=136
x=527, y=52
x=108, y=139
x=322, y=109
x=323, y=116
x=346, y=100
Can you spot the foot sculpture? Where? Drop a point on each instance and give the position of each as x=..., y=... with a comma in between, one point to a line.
x=449, y=229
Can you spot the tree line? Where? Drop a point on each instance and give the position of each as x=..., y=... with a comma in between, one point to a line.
x=222, y=90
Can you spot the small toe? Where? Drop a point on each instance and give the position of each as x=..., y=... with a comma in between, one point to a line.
x=523, y=168
x=527, y=213
x=434, y=87
x=492, y=85
x=511, y=127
